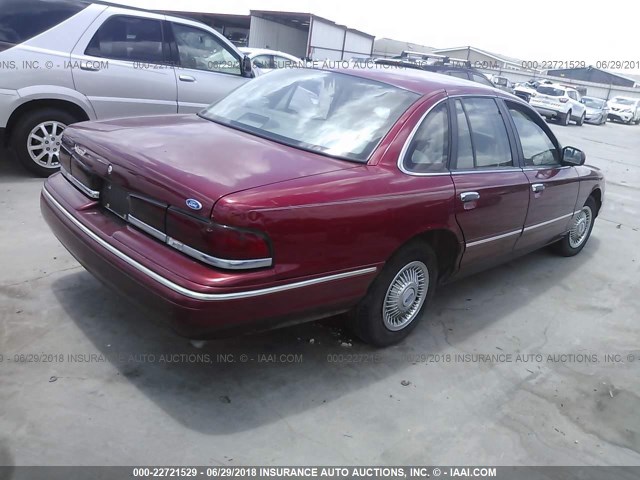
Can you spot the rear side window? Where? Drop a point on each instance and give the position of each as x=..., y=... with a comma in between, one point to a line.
x=21, y=20
x=128, y=38
x=488, y=132
x=429, y=147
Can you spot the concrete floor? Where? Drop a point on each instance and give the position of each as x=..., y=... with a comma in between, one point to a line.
x=392, y=409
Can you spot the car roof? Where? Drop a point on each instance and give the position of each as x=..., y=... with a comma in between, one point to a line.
x=420, y=81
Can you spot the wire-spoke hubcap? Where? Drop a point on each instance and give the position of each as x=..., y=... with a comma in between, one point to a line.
x=405, y=296
x=43, y=143
x=580, y=228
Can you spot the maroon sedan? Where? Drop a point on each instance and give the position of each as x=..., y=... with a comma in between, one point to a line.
x=307, y=193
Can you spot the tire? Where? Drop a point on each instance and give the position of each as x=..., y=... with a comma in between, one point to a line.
x=381, y=326
x=569, y=246
x=565, y=119
x=580, y=122
x=27, y=132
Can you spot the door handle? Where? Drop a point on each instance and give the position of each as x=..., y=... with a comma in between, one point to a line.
x=538, y=187
x=88, y=68
x=469, y=196
x=187, y=78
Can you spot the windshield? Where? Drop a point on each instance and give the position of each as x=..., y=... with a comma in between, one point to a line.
x=623, y=101
x=593, y=102
x=328, y=112
x=554, y=92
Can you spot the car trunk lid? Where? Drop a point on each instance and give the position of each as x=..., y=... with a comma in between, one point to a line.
x=180, y=160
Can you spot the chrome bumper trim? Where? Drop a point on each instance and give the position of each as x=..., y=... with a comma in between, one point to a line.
x=210, y=297
x=79, y=185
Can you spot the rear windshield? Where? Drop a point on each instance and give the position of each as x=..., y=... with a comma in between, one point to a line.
x=554, y=92
x=623, y=101
x=593, y=102
x=333, y=113
x=21, y=20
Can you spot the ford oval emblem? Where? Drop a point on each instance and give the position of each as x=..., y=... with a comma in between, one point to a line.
x=194, y=204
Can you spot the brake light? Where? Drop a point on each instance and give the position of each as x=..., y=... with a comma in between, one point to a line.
x=564, y=100
x=211, y=242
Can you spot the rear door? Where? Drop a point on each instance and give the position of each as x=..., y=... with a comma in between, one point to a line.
x=553, y=187
x=123, y=66
x=492, y=191
x=208, y=67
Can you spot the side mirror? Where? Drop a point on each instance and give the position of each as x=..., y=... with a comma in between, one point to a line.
x=573, y=156
x=246, y=67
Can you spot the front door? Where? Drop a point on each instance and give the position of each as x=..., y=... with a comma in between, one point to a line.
x=553, y=187
x=492, y=191
x=208, y=69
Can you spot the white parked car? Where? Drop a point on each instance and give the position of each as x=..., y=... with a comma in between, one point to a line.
x=624, y=109
x=66, y=61
x=267, y=60
x=559, y=102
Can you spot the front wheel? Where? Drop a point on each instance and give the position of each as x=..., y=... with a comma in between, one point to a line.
x=38, y=137
x=566, y=118
x=398, y=297
x=580, y=122
x=580, y=231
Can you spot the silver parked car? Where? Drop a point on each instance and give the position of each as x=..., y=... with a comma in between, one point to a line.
x=597, y=110
x=66, y=61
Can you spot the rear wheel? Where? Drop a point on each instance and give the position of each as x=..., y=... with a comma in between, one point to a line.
x=565, y=119
x=580, y=230
x=398, y=297
x=37, y=139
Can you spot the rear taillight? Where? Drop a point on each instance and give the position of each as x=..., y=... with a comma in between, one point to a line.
x=216, y=244
x=564, y=100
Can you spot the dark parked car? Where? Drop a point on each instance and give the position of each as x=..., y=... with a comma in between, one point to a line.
x=307, y=193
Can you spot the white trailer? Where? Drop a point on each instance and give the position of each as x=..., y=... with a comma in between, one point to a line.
x=307, y=35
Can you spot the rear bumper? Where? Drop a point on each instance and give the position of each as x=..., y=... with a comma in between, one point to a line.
x=194, y=310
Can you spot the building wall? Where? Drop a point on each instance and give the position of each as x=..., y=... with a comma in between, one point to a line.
x=357, y=45
x=276, y=36
x=477, y=59
x=591, y=75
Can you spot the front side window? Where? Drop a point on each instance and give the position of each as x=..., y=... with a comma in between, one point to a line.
x=128, y=38
x=481, y=79
x=200, y=50
x=263, y=61
x=537, y=147
x=458, y=74
x=326, y=112
x=21, y=20
x=429, y=147
x=282, y=62
x=488, y=134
